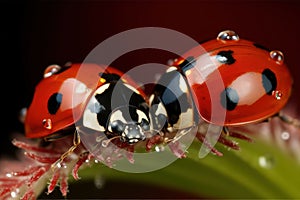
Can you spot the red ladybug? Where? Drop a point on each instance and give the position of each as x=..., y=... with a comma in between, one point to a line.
x=257, y=82
x=227, y=81
x=81, y=94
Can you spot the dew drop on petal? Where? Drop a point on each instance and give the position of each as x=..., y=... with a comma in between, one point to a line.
x=159, y=148
x=228, y=35
x=58, y=165
x=266, y=161
x=13, y=194
x=285, y=135
x=277, y=56
x=50, y=70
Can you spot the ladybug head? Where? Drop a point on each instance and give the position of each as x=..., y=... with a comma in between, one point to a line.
x=118, y=111
x=128, y=122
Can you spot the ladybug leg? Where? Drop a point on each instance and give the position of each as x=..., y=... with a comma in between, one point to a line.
x=202, y=139
x=235, y=134
x=76, y=143
x=227, y=142
x=288, y=119
x=82, y=159
x=230, y=143
x=156, y=139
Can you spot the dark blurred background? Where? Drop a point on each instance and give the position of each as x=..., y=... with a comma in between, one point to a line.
x=35, y=34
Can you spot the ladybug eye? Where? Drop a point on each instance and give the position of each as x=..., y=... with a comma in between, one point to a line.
x=117, y=126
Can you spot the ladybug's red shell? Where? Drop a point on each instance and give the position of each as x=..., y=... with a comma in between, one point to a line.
x=236, y=82
x=60, y=99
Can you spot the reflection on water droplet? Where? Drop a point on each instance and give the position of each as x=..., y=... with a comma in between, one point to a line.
x=15, y=194
x=266, y=161
x=50, y=70
x=277, y=94
x=58, y=165
x=285, y=135
x=47, y=123
x=22, y=114
x=99, y=181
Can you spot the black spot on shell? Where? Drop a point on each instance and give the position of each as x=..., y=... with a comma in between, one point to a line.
x=225, y=57
x=269, y=81
x=54, y=103
x=229, y=98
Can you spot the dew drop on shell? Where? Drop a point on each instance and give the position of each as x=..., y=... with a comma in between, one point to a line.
x=228, y=35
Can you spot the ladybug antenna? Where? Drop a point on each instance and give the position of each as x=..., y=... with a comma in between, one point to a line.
x=76, y=143
x=105, y=143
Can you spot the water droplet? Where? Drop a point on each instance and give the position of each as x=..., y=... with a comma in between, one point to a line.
x=266, y=161
x=47, y=123
x=9, y=175
x=228, y=35
x=22, y=115
x=277, y=94
x=99, y=181
x=159, y=148
x=15, y=194
x=285, y=135
x=68, y=64
x=277, y=56
x=50, y=70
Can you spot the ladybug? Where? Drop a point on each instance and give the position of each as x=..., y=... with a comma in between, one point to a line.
x=226, y=82
x=79, y=98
